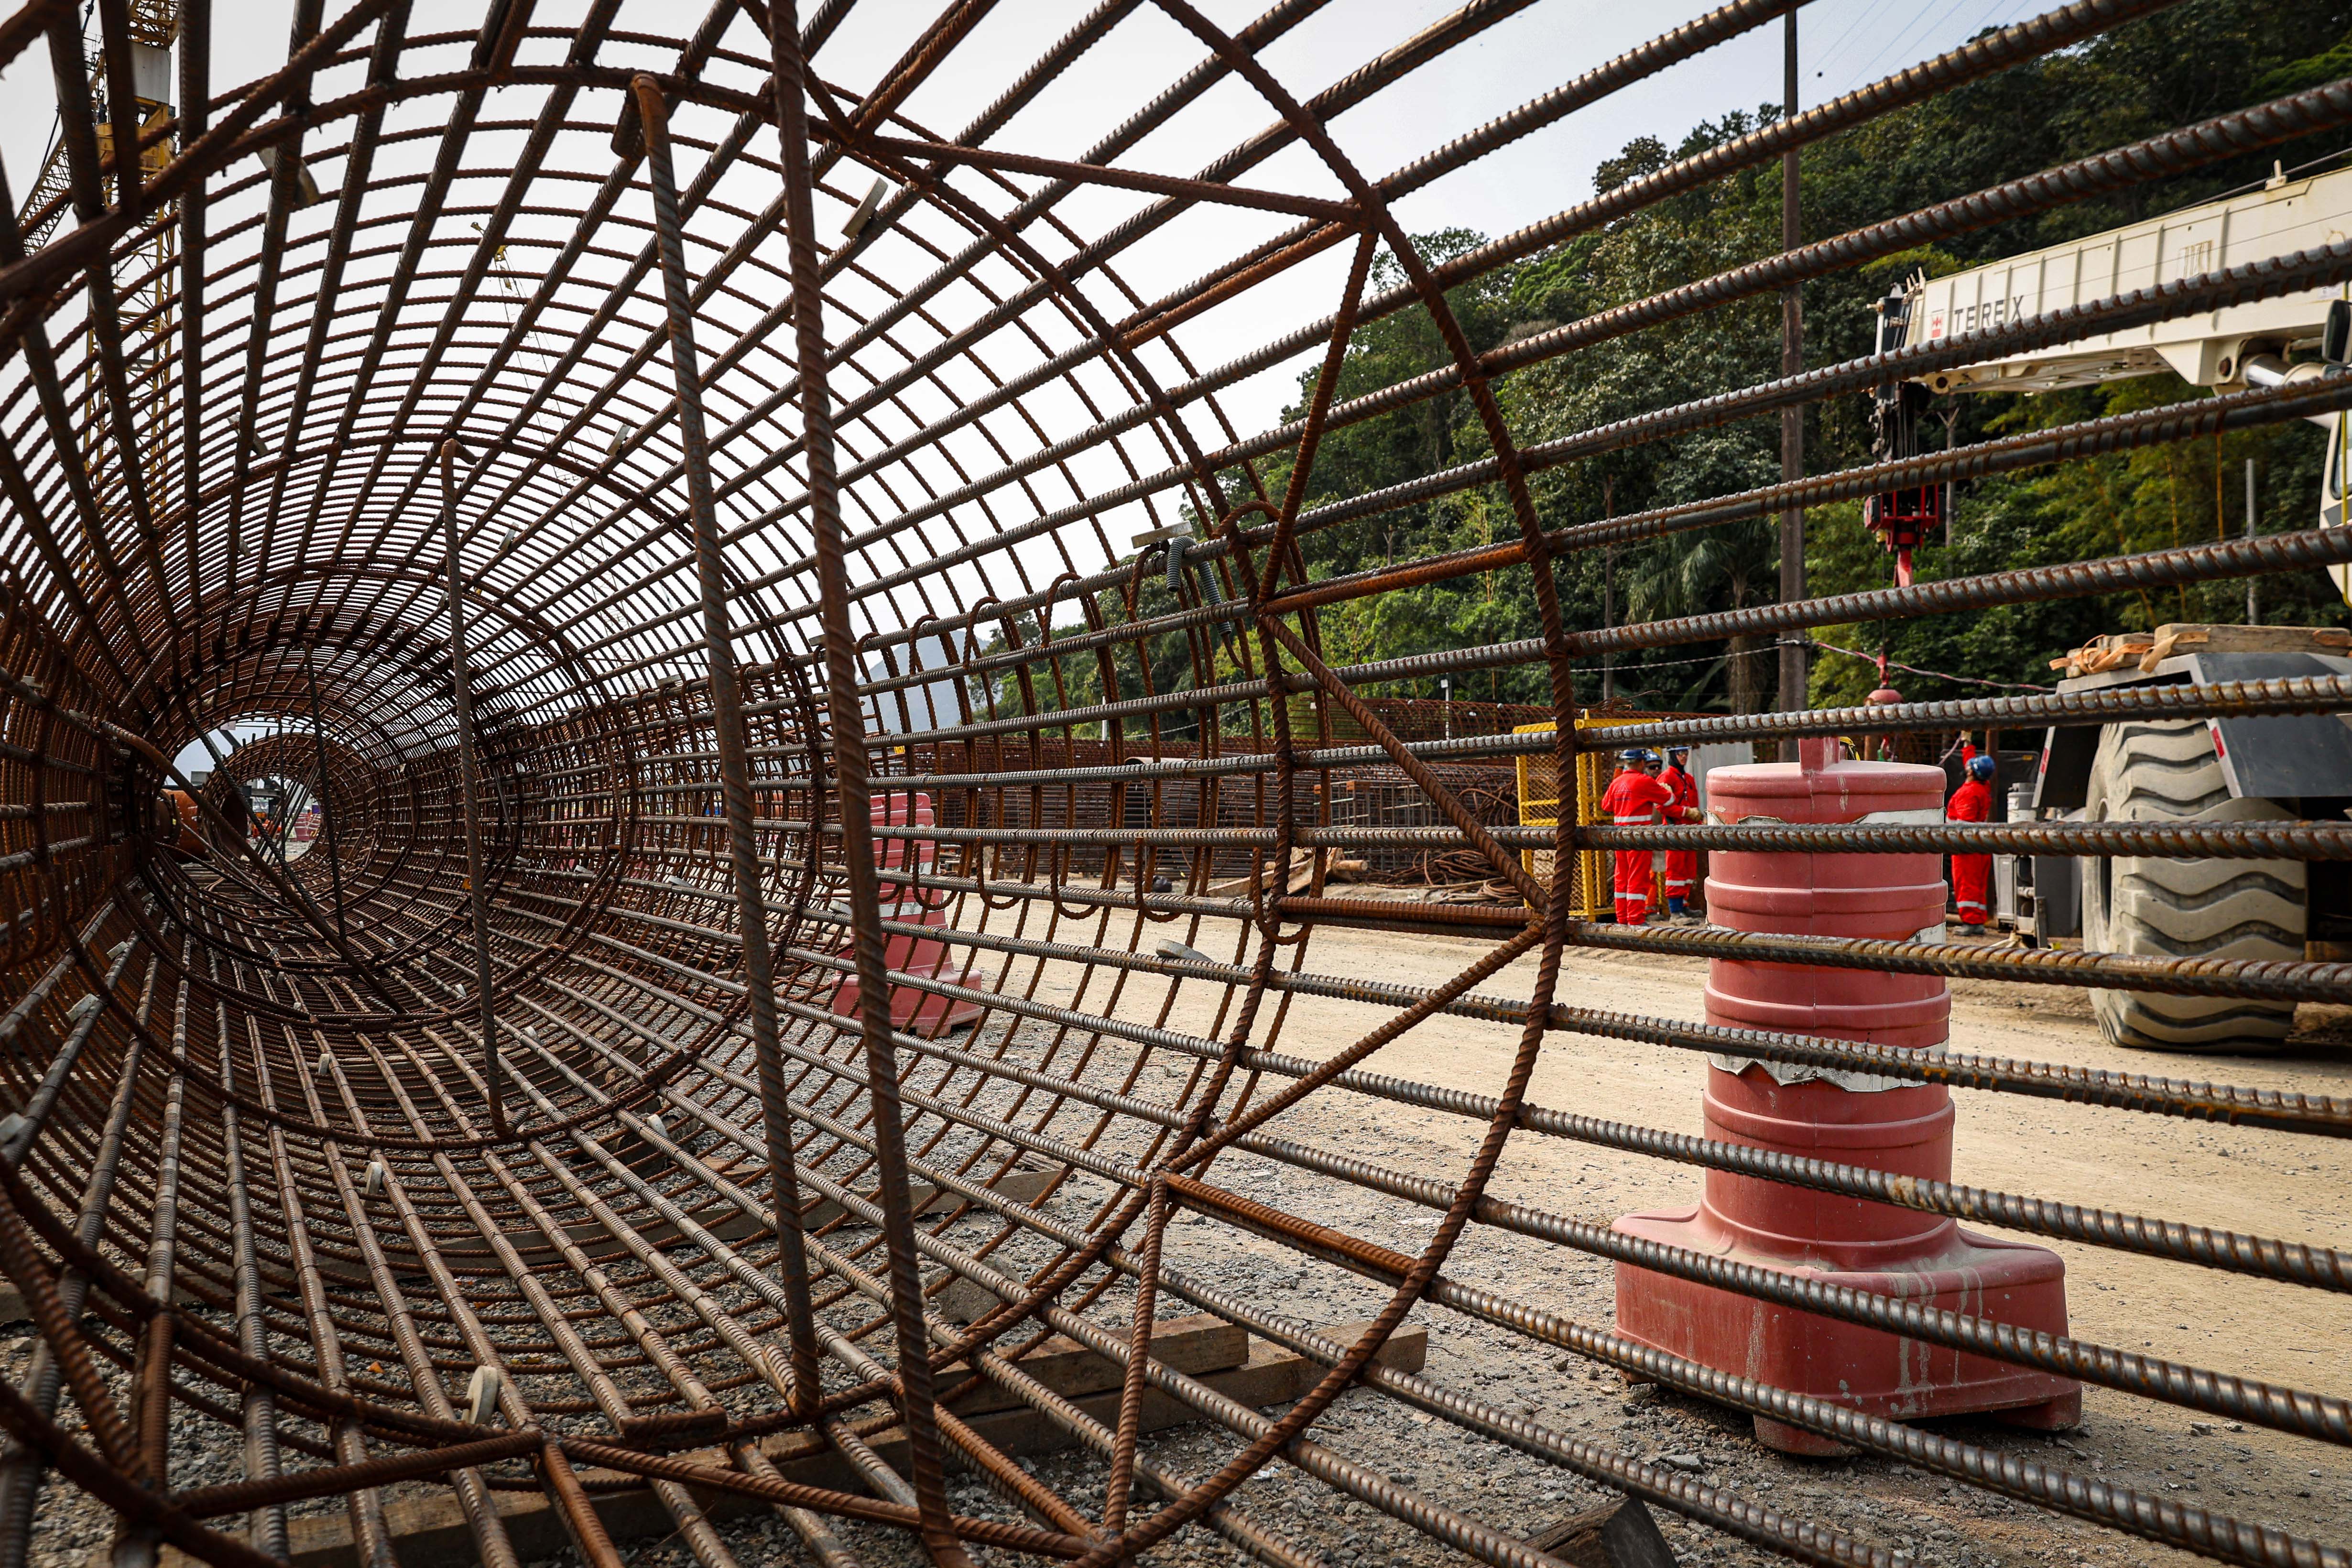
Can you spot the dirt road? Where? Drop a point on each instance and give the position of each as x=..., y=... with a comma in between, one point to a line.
x=2265, y=1183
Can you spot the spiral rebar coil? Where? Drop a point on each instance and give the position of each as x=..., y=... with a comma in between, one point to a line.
x=521, y=1138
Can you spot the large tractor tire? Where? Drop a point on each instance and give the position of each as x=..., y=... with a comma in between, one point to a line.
x=2184, y=908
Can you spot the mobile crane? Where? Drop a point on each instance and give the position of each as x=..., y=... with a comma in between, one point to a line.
x=2211, y=769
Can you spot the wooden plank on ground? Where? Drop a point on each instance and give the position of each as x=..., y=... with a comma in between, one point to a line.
x=430, y=1533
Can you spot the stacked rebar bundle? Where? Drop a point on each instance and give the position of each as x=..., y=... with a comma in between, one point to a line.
x=619, y=549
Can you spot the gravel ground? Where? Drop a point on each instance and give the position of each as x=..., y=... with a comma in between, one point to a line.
x=2262, y=1183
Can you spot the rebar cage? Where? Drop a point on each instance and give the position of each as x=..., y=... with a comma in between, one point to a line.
x=575, y=1121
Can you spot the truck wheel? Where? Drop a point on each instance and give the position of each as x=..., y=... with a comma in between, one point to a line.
x=2184, y=908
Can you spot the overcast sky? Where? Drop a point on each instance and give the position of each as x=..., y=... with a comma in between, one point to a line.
x=1844, y=43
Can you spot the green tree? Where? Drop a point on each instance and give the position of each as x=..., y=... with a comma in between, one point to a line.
x=2184, y=63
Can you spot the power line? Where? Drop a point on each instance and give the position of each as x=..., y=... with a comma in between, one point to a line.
x=1930, y=674
x=1902, y=40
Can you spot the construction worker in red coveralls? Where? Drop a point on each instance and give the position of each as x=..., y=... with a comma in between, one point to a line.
x=1972, y=802
x=1682, y=806
x=1634, y=797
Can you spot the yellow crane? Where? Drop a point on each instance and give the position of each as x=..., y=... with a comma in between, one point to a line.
x=154, y=25
x=147, y=279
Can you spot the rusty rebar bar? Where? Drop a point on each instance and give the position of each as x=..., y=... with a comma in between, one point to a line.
x=848, y=909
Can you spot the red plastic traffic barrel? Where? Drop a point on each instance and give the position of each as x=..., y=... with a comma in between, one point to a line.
x=1857, y=1119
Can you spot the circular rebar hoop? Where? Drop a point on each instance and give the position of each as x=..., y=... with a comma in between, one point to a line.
x=834, y=768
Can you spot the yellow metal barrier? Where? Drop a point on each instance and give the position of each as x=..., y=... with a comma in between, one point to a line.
x=1591, y=893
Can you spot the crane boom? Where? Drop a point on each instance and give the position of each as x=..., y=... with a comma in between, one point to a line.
x=2234, y=347
x=2207, y=350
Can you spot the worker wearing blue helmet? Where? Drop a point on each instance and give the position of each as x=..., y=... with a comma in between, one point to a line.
x=1972, y=802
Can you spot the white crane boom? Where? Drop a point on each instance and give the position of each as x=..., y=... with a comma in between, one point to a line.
x=2237, y=346
x=2209, y=349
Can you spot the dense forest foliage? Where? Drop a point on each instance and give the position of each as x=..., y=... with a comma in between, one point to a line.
x=2194, y=60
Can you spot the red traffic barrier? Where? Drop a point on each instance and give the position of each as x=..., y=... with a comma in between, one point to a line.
x=1853, y=1119
x=913, y=1009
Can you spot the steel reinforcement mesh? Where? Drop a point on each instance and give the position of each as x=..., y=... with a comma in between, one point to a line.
x=793, y=932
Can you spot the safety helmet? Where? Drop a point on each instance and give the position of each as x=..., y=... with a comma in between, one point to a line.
x=1676, y=752
x=1652, y=760
x=1983, y=768
x=1632, y=754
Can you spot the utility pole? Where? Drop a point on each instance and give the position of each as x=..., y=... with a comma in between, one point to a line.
x=1608, y=620
x=1792, y=419
x=2253, y=594
x=1608, y=591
